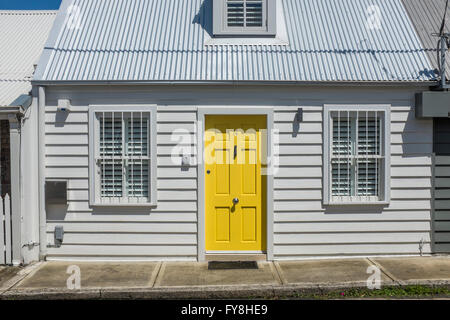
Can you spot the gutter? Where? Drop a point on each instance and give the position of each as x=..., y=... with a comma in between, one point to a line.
x=234, y=83
x=11, y=110
x=18, y=106
x=41, y=179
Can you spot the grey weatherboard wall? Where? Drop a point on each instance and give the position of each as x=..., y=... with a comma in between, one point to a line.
x=441, y=223
x=303, y=227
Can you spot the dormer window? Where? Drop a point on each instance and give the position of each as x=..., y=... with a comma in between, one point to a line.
x=244, y=18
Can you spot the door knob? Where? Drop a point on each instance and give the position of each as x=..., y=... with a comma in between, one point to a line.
x=235, y=200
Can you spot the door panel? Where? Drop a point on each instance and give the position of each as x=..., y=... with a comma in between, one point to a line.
x=233, y=162
x=249, y=224
x=222, y=217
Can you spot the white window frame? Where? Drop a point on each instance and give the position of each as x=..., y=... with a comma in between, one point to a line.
x=221, y=28
x=94, y=128
x=385, y=189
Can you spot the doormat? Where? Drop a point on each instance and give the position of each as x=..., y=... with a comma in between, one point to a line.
x=229, y=265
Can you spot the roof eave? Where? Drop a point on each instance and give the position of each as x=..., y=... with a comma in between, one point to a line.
x=18, y=106
x=212, y=82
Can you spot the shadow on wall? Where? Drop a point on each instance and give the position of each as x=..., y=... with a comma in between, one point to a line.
x=60, y=118
x=416, y=137
x=204, y=17
x=56, y=212
x=367, y=209
x=59, y=212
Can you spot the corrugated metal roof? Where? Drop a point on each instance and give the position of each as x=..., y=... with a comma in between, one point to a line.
x=22, y=38
x=164, y=40
x=427, y=16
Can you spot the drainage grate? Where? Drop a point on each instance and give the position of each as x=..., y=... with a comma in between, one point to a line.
x=227, y=265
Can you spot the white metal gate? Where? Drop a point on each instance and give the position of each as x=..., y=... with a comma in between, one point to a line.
x=5, y=231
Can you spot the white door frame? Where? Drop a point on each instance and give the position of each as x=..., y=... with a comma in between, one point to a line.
x=230, y=110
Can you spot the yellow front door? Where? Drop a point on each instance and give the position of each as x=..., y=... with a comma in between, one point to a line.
x=235, y=186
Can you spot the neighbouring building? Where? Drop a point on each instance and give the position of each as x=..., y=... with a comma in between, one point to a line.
x=427, y=17
x=22, y=38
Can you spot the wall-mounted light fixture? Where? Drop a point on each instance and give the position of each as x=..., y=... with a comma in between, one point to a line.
x=64, y=105
x=59, y=236
x=185, y=161
x=299, y=115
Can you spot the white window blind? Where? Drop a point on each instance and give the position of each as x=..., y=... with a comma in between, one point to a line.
x=245, y=13
x=357, y=156
x=242, y=18
x=123, y=157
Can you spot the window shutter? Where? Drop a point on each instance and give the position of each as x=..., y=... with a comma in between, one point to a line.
x=245, y=13
x=110, y=135
x=137, y=151
x=124, y=156
x=110, y=162
x=356, y=155
x=111, y=178
x=368, y=153
x=342, y=146
x=235, y=13
x=254, y=13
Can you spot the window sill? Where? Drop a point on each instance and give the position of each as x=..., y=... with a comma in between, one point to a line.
x=123, y=205
x=360, y=203
x=243, y=40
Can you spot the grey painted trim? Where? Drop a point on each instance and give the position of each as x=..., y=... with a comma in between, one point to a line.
x=55, y=32
x=327, y=109
x=16, y=213
x=228, y=110
x=419, y=84
x=152, y=109
x=41, y=174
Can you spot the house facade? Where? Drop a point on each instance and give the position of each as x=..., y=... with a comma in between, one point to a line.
x=183, y=130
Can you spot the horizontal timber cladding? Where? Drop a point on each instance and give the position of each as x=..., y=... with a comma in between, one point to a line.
x=302, y=228
x=441, y=221
x=168, y=231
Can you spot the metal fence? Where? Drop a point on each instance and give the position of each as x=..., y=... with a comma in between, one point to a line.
x=5, y=231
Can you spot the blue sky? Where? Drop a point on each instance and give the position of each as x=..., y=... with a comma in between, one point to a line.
x=29, y=4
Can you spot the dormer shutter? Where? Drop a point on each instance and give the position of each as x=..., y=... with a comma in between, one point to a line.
x=245, y=13
x=244, y=17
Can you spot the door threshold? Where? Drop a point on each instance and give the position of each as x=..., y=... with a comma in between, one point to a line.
x=235, y=257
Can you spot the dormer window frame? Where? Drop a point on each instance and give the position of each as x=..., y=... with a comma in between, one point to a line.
x=221, y=27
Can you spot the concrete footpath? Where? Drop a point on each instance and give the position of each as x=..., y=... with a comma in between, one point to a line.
x=175, y=280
